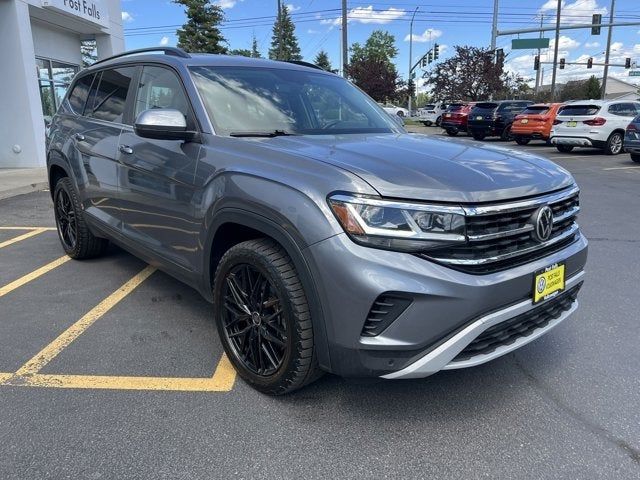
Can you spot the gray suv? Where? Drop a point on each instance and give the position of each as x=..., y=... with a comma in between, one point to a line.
x=326, y=237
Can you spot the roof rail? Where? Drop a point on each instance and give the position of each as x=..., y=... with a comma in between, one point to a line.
x=305, y=64
x=175, y=51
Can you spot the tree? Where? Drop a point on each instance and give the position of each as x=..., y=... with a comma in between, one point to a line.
x=592, y=88
x=471, y=74
x=201, y=32
x=322, y=60
x=240, y=51
x=255, y=53
x=88, y=52
x=371, y=66
x=284, y=44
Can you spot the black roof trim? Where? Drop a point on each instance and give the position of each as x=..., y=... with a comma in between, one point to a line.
x=174, y=51
x=305, y=64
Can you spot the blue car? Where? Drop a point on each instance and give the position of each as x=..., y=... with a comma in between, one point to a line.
x=632, y=139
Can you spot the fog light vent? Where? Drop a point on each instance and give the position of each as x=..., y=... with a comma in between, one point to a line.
x=384, y=311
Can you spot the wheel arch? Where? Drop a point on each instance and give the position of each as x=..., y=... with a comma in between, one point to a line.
x=231, y=226
x=58, y=168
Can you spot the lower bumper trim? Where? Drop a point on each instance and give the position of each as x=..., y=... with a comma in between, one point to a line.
x=442, y=357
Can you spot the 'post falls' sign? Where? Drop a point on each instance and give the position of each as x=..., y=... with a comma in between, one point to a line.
x=93, y=11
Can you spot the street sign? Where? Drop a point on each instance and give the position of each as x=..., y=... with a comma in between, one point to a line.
x=529, y=43
x=634, y=73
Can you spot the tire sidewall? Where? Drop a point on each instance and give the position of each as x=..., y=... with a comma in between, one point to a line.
x=608, y=149
x=64, y=184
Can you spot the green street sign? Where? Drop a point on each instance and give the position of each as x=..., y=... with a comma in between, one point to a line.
x=634, y=73
x=529, y=43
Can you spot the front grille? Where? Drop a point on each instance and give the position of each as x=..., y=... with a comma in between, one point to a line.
x=385, y=309
x=507, y=332
x=501, y=236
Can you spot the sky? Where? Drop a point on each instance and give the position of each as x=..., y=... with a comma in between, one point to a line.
x=449, y=23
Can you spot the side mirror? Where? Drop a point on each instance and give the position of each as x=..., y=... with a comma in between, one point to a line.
x=162, y=124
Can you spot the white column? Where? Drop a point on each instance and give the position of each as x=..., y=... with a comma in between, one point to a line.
x=113, y=42
x=21, y=121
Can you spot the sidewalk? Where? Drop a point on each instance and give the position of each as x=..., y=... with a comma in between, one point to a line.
x=17, y=181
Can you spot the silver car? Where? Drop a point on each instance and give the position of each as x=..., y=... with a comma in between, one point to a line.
x=326, y=237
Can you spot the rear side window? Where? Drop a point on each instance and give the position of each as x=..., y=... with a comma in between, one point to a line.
x=577, y=110
x=535, y=110
x=79, y=94
x=623, y=109
x=109, y=94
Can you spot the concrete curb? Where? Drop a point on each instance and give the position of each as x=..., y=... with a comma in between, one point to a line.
x=32, y=187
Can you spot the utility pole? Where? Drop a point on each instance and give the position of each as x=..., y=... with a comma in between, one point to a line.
x=606, y=53
x=410, y=58
x=345, y=49
x=555, y=52
x=279, y=30
x=494, y=27
x=538, y=71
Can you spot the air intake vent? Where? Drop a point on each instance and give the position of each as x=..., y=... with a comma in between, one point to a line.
x=384, y=311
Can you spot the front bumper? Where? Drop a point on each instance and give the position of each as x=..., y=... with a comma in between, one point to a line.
x=445, y=302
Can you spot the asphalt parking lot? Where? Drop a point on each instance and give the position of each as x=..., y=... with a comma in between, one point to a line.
x=109, y=369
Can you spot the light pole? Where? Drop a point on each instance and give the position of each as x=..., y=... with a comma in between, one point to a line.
x=555, y=52
x=606, y=54
x=410, y=57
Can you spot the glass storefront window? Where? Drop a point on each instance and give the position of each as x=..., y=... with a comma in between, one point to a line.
x=54, y=78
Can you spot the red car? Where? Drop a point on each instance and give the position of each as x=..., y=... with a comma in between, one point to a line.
x=455, y=117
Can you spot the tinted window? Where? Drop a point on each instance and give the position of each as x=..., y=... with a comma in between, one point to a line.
x=576, y=110
x=535, y=110
x=513, y=107
x=623, y=109
x=79, y=94
x=160, y=88
x=455, y=107
x=109, y=94
x=429, y=107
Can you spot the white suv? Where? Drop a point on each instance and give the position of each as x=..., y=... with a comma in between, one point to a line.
x=593, y=123
x=432, y=114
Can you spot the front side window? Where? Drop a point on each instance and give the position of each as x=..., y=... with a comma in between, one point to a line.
x=109, y=94
x=242, y=100
x=160, y=88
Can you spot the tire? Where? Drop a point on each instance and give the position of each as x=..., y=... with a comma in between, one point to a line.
x=77, y=240
x=635, y=157
x=615, y=144
x=522, y=140
x=400, y=113
x=478, y=136
x=506, y=134
x=438, y=121
x=427, y=123
x=452, y=132
x=564, y=148
x=275, y=356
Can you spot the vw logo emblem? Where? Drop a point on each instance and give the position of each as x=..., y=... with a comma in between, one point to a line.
x=543, y=223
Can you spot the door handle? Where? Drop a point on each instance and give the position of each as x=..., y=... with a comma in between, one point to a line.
x=126, y=149
x=79, y=137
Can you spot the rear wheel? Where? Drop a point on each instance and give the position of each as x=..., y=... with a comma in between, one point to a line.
x=438, y=121
x=564, y=148
x=506, y=134
x=522, y=140
x=452, y=132
x=614, y=144
x=76, y=238
x=635, y=157
x=400, y=113
x=263, y=317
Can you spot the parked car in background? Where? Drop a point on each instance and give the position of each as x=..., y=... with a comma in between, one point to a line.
x=394, y=110
x=535, y=122
x=593, y=123
x=494, y=119
x=454, y=119
x=431, y=114
x=632, y=139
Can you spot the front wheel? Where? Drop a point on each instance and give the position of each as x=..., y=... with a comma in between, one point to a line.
x=438, y=121
x=614, y=144
x=522, y=140
x=564, y=148
x=635, y=157
x=263, y=317
x=452, y=132
x=400, y=113
x=77, y=240
x=506, y=134
x=478, y=136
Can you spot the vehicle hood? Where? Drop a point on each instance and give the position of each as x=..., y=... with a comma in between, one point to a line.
x=421, y=167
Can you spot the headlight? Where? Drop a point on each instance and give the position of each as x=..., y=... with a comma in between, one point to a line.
x=399, y=226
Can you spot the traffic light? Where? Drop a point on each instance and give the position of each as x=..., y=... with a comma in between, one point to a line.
x=430, y=57
x=536, y=62
x=562, y=60
x=590, y=62
x=436, y=51
x=423, y=62
x=412, y=88
x=596, y=20
x=627, y=62
x=499, y=55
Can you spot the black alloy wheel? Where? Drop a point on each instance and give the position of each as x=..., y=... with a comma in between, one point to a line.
x=66, y=220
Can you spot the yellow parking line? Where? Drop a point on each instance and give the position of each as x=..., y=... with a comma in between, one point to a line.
x=9, y=287
x=222, y=381
x=49, y=352
x=24, y=236
x=27, y=228
x=5, y=376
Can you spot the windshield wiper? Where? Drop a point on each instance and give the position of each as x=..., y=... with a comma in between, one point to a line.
x=272, y=133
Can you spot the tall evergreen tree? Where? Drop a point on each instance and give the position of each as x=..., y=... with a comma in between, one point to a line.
x=592, y=88
x=322, y=60
x=201, y=32
x=255, y=53
x=284, y=44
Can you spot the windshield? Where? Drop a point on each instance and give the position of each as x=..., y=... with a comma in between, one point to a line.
x=251, y=100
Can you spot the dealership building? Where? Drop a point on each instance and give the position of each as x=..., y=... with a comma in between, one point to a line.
x=40, y=54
